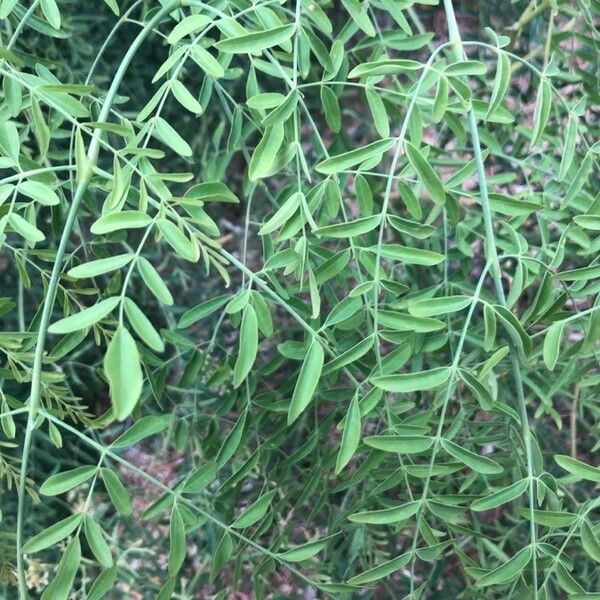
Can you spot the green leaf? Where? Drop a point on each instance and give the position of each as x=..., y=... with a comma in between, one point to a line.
x=307, y=382
x=588, y=221
x=124, y=373
x=410, y=256
x=221, y=555
x=202, y=310
x=476, y=462
x=413, y=382
x=248, y=346
x=100, y=266
x=51, y=12
x=264, y=154
x=331, y=109
x=589, y=541
x=543, y=106
x=178, y=240
x=283, y=214
x=39, y=192
x=550, y=518
x=382, y=570
x=207, y=62
x=349, y=229
x=386, y=516
x=95, y=538
x=429, y=307
x=501, y=82
x=104, y=583
x=401, y=444
x=502, y=496
x=255, y=512
x=391, y=66
x=198, y=479
x=430, y=179
x=86, y=318
x=154, y=281
x=145, y=427
x=177, y=547
x=127, y=219
x=568, y=152
x=578, y=181
x=60, y=587
x=185, y=98
x=25, y=229
x=303, y=552
x=189, y=24
x=403, y=322
x=143, y=326
x=258, y=41
x=466, y=67
x=53, y=534
x=580, y=469
x=116, y=491
x=67, y=480
x=345, y=161
x=507, y=572
x=552, y=342
x=350, y=436
x=165, y=133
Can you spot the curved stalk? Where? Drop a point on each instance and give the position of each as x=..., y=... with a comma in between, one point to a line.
x=492, y=256
x=33, y=403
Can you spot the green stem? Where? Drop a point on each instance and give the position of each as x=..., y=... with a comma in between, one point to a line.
x=36, y=378
x=490, y=247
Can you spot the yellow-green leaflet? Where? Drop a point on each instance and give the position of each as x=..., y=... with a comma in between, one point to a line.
x=256, y=42
x=60, y=587
x=100, y=266
x=67, y=480
x=308, y=380
x=154, y=281
x=53, y=534
x=413, y=382
x=426, y=174
x=551, y=348
x=177, y=546
x=124, y=373
x=127, y=219
x=500, y=497
x=95, y=539
x=382, y=570
x=116, y=491
x=542, y=110
x=190, y=24
x=480, y=464
x=578, y=468
x=344, y=161
x=385, y=516
x=401, y=444
x=25, y=229
x=86, y=318
x=248, y=346
x=507, y=572
x=254, y=512
x=350, y=436
x=143, y=326
x=429, y=307
x=263, y=157
x=178, y=240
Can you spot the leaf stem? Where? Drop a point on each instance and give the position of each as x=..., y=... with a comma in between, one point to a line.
x=490, y=247
x=33, y=404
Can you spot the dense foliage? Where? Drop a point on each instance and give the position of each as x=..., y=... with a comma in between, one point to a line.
x=299, y=299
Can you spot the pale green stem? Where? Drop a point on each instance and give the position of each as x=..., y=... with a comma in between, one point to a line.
x=34, y=399
x=490, y=243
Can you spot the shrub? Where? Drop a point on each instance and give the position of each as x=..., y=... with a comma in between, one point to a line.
x=299, y=299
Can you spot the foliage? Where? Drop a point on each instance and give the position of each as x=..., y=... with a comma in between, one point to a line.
x=298, y=297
